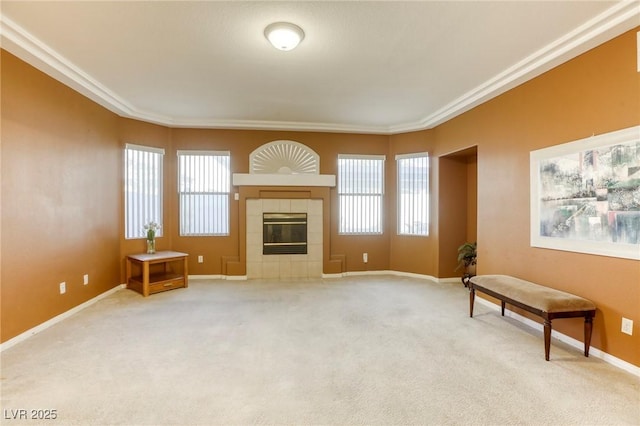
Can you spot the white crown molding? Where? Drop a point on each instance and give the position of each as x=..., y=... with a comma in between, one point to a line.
x=614, y=21
x=621, y=17
x=276, y=125
x=21, y=43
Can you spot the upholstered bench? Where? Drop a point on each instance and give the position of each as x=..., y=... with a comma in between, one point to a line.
x=543, y=301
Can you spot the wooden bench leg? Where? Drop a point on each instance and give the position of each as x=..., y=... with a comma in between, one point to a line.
x=547, y=338
x=502, y=303
x=472, y=295
x=588, y=327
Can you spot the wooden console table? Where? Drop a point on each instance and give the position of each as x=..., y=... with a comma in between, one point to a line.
x=150, y=282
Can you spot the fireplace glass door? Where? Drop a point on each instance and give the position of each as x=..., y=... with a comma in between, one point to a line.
x=284, y=233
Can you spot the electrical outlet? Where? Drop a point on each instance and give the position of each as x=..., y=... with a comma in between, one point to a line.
x=627, y=326
x=200, y=259
x=63, y=287
x=85, y=279
x=365, y=257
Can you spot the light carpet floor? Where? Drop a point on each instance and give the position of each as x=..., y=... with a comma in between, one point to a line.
x=358, y=350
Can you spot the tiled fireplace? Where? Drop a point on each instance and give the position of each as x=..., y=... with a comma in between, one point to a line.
x=284, y=266
x=284, y=177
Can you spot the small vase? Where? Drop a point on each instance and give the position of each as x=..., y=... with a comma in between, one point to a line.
x=151, y=246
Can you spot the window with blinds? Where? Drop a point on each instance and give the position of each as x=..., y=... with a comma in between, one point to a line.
x=204, y=185
x=142, y=189
x=413, y=194
x=360, y=193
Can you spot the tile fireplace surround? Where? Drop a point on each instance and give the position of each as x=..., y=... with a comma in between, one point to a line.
x=289, y=265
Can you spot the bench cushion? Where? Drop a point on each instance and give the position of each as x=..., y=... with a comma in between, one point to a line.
x=539, y=297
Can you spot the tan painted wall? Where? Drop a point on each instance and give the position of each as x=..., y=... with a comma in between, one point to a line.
x=595, y=93
x=60, y=197
x=217, y=251
x=453, y=211
x=241, y=143
x=472, y=197
x=413, y=254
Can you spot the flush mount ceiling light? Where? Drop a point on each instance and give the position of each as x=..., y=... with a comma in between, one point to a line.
x=284, y=35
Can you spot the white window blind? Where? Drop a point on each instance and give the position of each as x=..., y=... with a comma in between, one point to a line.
x=413, y=194
x=143, y=189
x=204, y=185
x=360, y=191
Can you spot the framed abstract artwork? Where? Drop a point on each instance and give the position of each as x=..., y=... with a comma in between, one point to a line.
x=585, y=195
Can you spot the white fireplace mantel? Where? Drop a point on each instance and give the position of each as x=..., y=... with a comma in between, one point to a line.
x=279, y=179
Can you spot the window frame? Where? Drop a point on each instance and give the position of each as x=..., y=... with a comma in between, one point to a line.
x=159, y=202
x=379, y=217
x=399, y=191
x=205, y=153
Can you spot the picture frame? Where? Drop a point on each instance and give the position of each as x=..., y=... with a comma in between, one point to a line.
x=585, y=195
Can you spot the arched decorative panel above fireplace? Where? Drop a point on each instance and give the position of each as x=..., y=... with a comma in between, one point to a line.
x=284, y=163
x=284, y=157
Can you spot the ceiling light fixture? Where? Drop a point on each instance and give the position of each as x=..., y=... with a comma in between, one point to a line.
x=284, y=35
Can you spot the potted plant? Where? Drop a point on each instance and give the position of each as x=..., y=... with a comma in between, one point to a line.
x=467, y=255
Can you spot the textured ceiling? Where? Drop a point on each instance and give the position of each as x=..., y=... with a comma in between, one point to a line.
x=379, y=67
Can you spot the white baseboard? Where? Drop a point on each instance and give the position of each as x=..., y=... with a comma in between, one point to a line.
x=358, y=273
x=219, y=277
x=330, y=276
x=340, y=275
x=235, y=277
x=37, y=329
x=206, y=277
x=610, y=359
x=413, y=275
x=386, y=272
x=454, y=280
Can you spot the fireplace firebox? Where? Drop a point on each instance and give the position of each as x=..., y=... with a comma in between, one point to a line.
x=284, y=233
